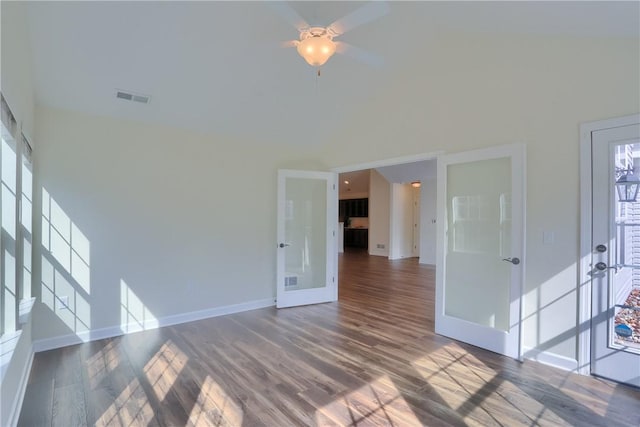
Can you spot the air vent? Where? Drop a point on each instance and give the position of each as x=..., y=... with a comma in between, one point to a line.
x=130, y=96
x=290, y=281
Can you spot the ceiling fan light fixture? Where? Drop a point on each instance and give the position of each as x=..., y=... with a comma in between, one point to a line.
x=316, y=46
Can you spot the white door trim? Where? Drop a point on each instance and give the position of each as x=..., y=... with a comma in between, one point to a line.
x=584, y=267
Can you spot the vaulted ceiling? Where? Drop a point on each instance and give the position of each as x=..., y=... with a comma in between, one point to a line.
x=218, y=66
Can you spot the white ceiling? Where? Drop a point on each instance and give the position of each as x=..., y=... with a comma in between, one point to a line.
x=409, y=172
x=217, y=66
x=358, y=183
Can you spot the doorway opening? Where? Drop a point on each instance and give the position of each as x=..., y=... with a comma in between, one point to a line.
x=389, y=211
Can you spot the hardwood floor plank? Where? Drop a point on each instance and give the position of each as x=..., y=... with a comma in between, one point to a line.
x=370, y=359
x=68, y=371
x=37, y=409
x=69, y=406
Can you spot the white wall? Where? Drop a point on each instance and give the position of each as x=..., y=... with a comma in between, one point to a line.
x=428, y=198
x=173, y=221
x=401, y=221
x=481, y=90
x=17, y=77
x=17, y=87
x=379, y=203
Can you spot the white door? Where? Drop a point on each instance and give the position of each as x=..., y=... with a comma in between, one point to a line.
x=307, y=241
x=480, y=256
x=615, y=256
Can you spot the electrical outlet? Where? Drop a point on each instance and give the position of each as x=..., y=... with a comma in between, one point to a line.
x=380, y=246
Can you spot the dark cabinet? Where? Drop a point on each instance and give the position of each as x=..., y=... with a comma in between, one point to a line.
x=353, y=208
x=356, y=238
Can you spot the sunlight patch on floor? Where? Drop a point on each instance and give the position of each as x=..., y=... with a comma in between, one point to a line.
x=377, y=403
x=215, y=407
x=131, y=407
x=101, y=364
x=163, y=369
x=476, y=391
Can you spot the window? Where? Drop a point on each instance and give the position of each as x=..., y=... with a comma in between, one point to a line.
x=16, y=210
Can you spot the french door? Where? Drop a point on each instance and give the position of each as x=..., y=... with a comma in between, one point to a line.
x=307, y=242
x=615, y=256
x=480, y=256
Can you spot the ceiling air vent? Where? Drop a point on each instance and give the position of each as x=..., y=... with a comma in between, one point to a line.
x=130, y=96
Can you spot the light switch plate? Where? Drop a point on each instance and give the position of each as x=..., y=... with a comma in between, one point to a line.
x=548, y=237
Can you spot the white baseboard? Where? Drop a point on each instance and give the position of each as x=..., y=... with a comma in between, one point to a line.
x=22, y=388
x=174, y=319
x=378, y=252
x=425, y=261
x=551, y=359
x=401, y=257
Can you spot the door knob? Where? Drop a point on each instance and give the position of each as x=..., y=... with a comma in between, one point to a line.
x=282, y=245
x=601, y=248
x=514, y=260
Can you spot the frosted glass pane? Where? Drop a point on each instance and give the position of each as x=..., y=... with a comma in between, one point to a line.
x=8, y=211
x=9, y=170
x=26, y=214
x=27, y=179
x=306, y=234
x=479, y=236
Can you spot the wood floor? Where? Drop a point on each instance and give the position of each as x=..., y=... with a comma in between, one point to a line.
x=371, y=359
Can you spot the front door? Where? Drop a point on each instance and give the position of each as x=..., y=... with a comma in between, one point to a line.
x=615, y=256
x=480, y=264
x=307, y=242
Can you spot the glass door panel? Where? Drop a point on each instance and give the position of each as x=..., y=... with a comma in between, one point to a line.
x=478, y=240
x=305, y=234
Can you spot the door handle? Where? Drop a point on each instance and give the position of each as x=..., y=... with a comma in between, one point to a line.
x=601, y=248
x=283, y=245
x=514, y=260
x=602, y=266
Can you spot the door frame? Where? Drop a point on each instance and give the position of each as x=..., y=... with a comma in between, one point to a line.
x=586, y=243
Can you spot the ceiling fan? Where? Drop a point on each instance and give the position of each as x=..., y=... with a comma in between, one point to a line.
x=316, y=44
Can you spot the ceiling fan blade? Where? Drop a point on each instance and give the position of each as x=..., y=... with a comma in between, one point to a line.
x=367, y=13
x=290, y=43
x=289, y=14
x=359, y=54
